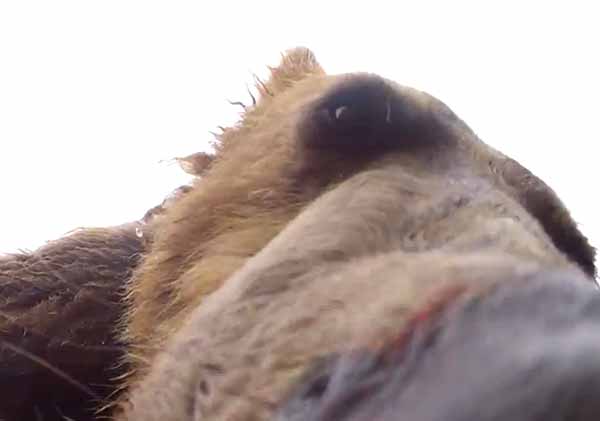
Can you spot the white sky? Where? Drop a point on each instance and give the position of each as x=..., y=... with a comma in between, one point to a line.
x=93, y=94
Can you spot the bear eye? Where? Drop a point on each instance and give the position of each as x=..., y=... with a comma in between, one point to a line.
x=368, y=114
x=350, y=116
x=358, y=100
x=341, y=113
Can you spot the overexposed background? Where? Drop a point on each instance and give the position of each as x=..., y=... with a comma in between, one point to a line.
x=94, y=95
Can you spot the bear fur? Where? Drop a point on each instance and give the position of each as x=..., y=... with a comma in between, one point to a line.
x=220, y=306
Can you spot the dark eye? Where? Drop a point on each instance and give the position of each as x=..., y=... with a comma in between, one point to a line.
x=362, y=114
x=355, y=111
x=342, y=115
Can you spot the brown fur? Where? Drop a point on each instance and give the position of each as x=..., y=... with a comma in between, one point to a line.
x=60, y=304
x=300, y=240
x=60, y=354
x=266, y=171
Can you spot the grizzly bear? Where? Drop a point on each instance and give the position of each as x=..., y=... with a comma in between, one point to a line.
x=351, y=251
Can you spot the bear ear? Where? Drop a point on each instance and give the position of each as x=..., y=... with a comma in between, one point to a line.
x=195, y=164
x=296, y=64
